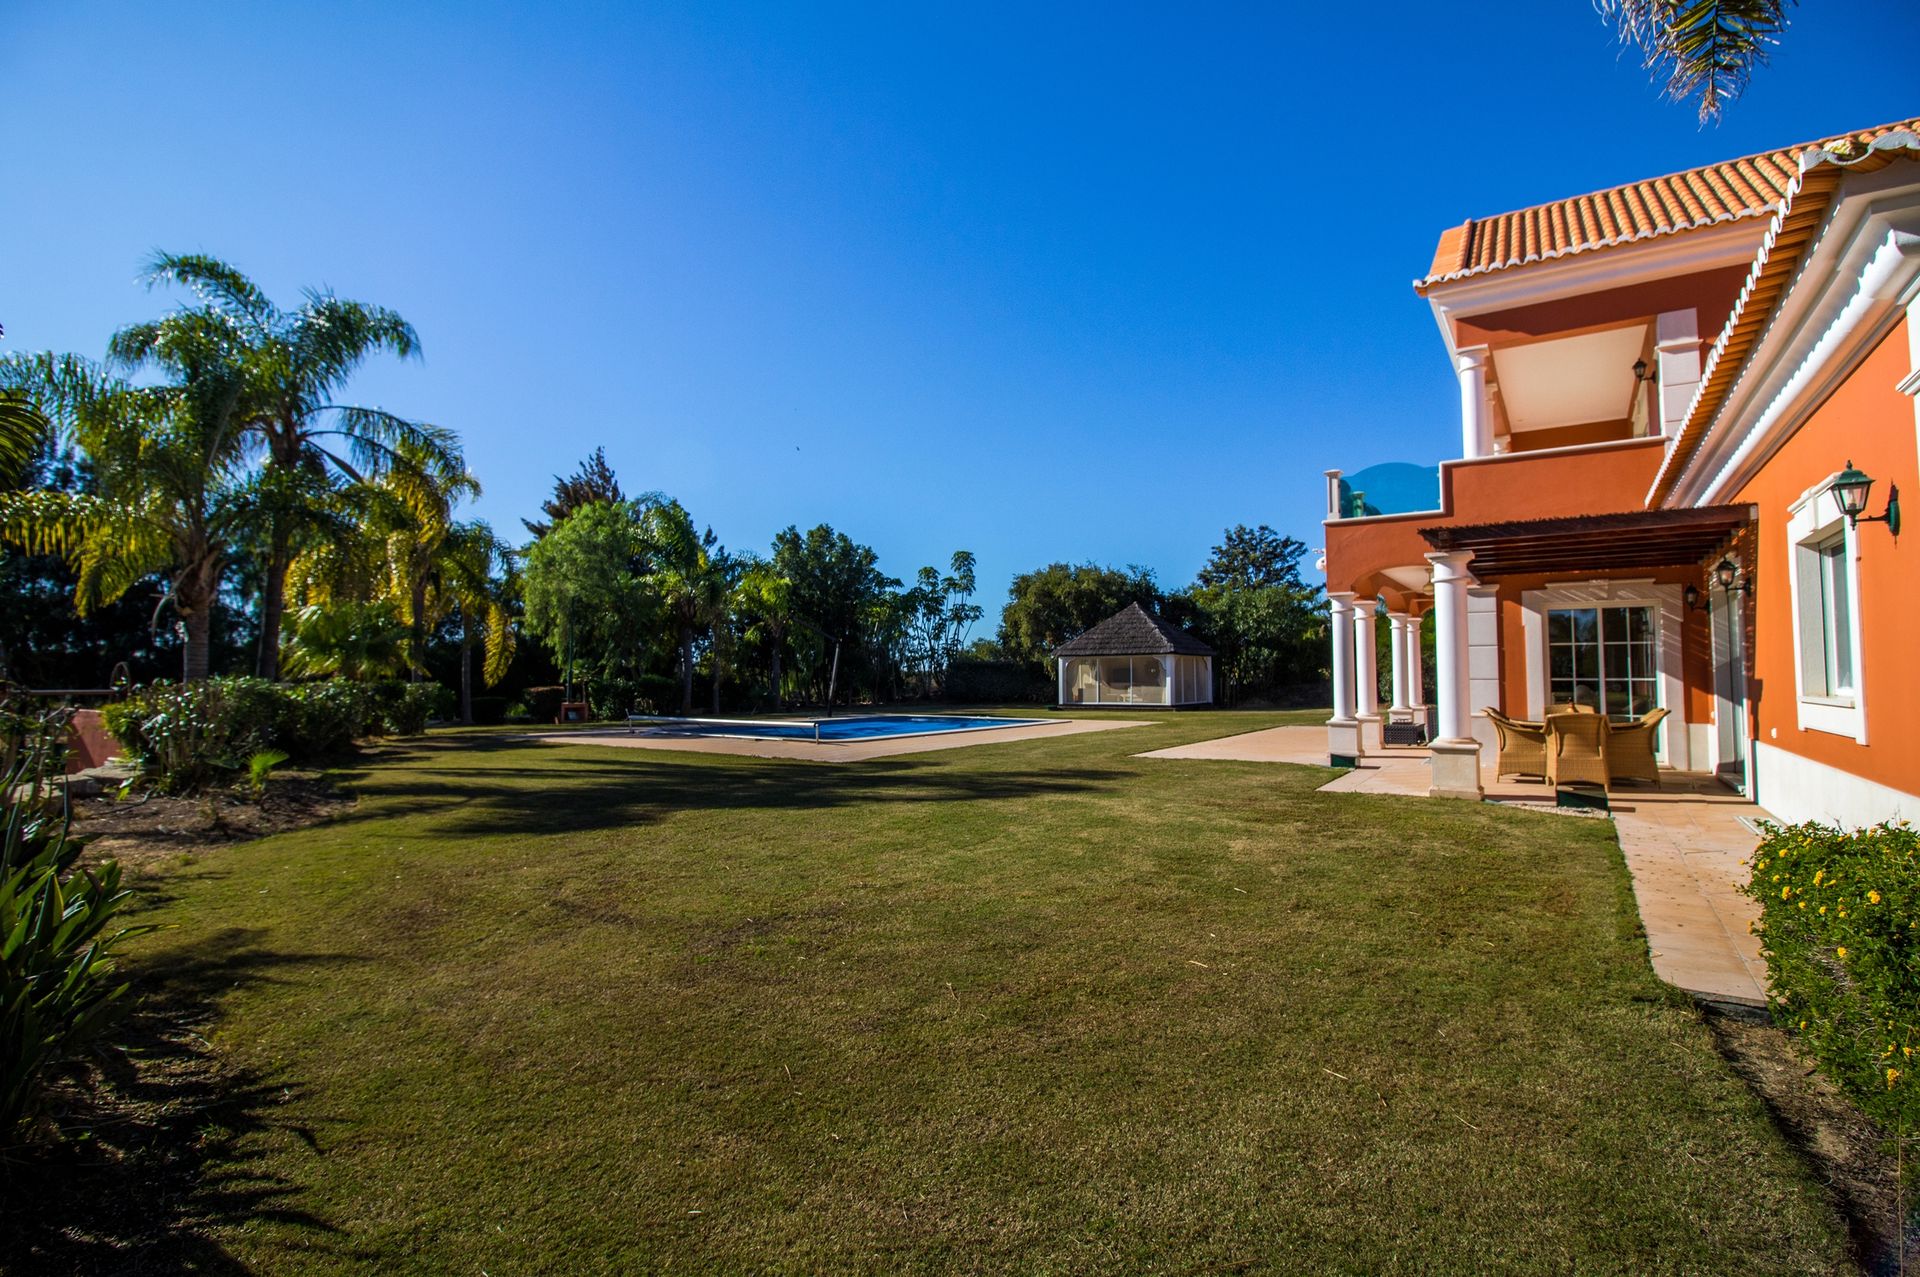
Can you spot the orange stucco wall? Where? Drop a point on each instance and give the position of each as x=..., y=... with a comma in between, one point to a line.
x=1868, y=421
x=1695, y=642
x=1604, y=480
x=1711, y=293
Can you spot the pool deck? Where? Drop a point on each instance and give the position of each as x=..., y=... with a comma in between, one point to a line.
x=850, y=751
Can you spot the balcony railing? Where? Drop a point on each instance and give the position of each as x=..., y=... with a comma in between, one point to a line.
x=1392, y=487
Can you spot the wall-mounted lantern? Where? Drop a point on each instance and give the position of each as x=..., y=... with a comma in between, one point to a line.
x=1851, y=488
x=1692, y=596
x=1642, y=371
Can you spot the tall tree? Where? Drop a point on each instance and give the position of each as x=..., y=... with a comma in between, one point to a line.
x=474, y=578
x=1048, y=606
x=1250, y=558
x=593, y=481
x=764, y=598
x=1704, y=49
x=296, y=364
x=688, y=577
x=836, y=581
x=939, y=612
x=172, y=492
x=588, y=592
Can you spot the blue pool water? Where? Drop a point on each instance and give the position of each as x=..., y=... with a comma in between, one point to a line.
x=853, y=728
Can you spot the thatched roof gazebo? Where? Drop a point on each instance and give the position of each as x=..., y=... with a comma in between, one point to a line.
x=1135, y=658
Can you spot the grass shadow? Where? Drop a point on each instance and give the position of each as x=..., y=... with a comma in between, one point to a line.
x=163, y=1144
x=566, y=796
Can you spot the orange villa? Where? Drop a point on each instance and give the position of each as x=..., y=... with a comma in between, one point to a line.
x=1672, y=394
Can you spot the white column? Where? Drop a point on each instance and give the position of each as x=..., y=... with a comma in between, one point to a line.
x=1366, y=673
x=1366, y=667
x=1397, y=646
x=1344, y=746
x=1456, y=755
x=1340, y=631
x=1417, y=664
x=1061, y=662
x=1676, y=338
x=1476, y=415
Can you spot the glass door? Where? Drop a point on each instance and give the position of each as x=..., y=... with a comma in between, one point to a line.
x=1605, y=658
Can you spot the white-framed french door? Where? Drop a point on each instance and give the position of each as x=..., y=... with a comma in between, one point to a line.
x=1617, y=645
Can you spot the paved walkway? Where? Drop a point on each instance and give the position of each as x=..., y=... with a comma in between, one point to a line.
x=1686, y=845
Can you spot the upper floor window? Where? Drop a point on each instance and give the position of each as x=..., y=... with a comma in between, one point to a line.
x=1826, y=617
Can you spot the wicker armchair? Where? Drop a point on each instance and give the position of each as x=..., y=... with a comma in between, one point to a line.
x=1630, y=749
x=1572, y=709
x=1577, y=749
x=1523, y=746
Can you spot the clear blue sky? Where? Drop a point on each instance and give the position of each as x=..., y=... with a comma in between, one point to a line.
x=1080, y=283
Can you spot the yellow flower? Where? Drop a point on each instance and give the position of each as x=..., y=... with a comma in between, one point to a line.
x=1823, y=908
x=1873, y=897
x=1803, y=1024
x=1842, y=951
x=1893, y=1075
x=1785, y=892
x=1818, y=874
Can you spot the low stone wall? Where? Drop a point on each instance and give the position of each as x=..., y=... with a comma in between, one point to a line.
x=89, y=740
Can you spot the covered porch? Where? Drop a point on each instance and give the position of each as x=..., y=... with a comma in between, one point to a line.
x=1612, y=613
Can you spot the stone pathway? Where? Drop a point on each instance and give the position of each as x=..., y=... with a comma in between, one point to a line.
x=1686, y=845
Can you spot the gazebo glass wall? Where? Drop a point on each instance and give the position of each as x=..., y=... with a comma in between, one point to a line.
x=1137, y=680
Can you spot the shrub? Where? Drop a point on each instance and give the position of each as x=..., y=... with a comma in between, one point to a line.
x=1840, y=923
x=188, y=736
x=974, y=682
x=543, y=703
x=403, y=709
x=57, y=968
x=491, y=710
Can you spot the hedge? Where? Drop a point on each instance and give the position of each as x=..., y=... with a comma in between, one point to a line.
x=971, y=682
x=187, y=736
x=1840, y=924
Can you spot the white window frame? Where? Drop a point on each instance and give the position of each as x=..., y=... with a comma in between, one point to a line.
x=1812, y=521
x=1675, y=745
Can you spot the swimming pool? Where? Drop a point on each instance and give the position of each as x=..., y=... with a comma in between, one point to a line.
x=853, y=727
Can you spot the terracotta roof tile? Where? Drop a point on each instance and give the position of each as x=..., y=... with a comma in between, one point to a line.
x=1733, y=190
x=1790, y=236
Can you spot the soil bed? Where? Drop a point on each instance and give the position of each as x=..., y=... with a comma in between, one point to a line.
x=141, y=832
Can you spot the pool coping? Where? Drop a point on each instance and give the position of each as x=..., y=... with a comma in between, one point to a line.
x=617, y=737
x=982, y=725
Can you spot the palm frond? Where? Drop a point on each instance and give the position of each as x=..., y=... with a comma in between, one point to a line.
x=1705, y=49
x=377, y=439
x=216, y=283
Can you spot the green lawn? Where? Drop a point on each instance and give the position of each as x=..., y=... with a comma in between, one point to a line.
x=1033, y=1008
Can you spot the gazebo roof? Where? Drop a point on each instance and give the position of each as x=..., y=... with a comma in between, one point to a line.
x=1134, y=631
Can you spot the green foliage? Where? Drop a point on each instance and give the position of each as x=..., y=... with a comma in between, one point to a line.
x=587, y=593
x=1047, y=607
x=192, y=735
x=1707, y=49
x=837, y=594
x=260, y=766
x=593, y=482
x=970, y=681
x=347, y=637
x=542, y=703
x=57, y=935
x=938, y=611
x=1840, y=923
x=1253, y=558
x=405, y=709
x=1264, y=637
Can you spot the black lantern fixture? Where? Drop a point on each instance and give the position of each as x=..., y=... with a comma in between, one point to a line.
x=1692, y=596
x=1725, y=572
x=1640, y=370
x=1851, y=488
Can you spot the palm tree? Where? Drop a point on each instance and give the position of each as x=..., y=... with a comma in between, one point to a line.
x=415, y=514
x=766, y=597
x=476, y=580
x=684, y=574
x=296, y=363
x=173, y=491
x=1704, y=48
x=347, y=639
x=22, y=429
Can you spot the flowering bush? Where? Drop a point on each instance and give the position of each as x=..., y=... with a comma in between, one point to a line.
x=1840, y=922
